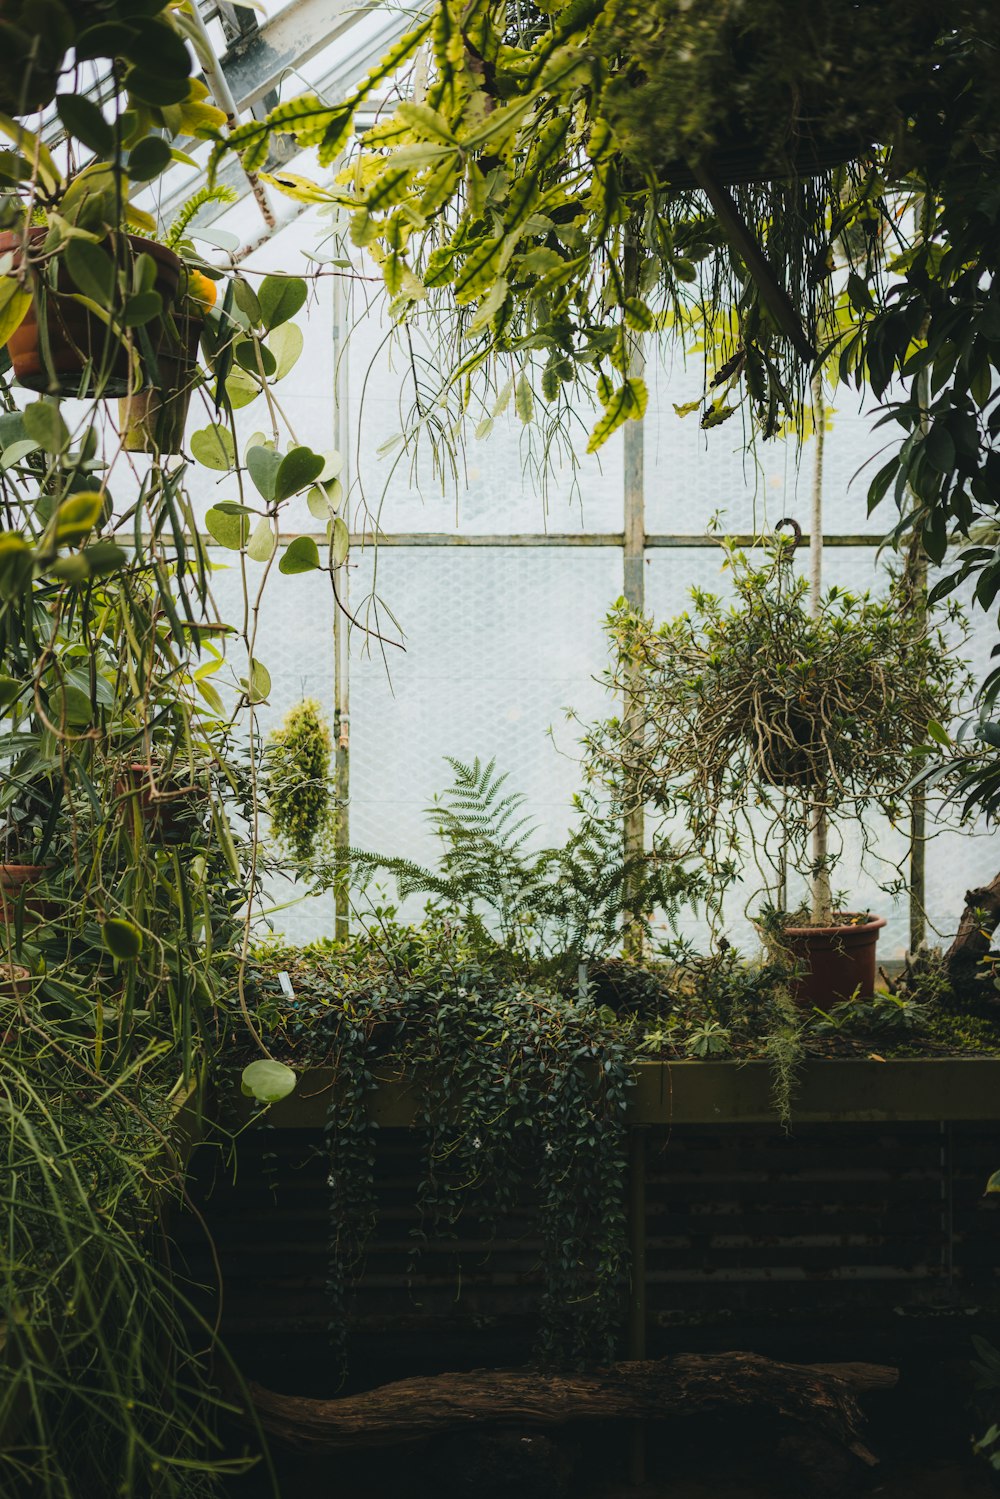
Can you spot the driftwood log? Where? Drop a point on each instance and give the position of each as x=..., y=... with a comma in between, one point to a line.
x=823, y=1396
x=973, y=939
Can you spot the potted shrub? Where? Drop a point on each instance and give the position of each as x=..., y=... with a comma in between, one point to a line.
x=766, y=724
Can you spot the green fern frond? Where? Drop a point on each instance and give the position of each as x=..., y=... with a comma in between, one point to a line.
x=197, y=201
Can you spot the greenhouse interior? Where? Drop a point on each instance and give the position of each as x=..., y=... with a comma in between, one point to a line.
x=500, y=760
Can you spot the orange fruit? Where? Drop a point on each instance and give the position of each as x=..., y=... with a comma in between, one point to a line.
x=201, y=289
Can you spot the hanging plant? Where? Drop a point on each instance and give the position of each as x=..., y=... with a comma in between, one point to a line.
x=760, y=716
x=297, y=781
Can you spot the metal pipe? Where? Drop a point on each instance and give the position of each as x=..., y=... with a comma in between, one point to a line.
x=218, y=84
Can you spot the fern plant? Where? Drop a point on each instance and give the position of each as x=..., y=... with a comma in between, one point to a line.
x=562, y=904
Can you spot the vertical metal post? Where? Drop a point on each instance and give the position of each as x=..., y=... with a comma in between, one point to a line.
x=916, y=581
x=822, y=895
x=634, y=581
x=341, y=635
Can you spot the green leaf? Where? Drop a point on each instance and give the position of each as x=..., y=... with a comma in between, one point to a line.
x=13, y=454
x=340, y=540
x=937, y=733
x=77, y=516
x=149, y=158
x=259, y=686
x=285, y=343
x=262, y=465
x=993, y=1185
x=246, y=300
x=92, y=270
x=300, y=556
x=230, y=531
x=82, y=119
x=260, y=547
x=10, y=690
x=299, y=468
x=14, y=304
x=267, y=1081
x=241, y=388
x=43, y=422
x=141, y=309
x=122, y=938
x=325, y=499
x=247, y=353
x=524, y=400
x=280, y=298
x=213, y=447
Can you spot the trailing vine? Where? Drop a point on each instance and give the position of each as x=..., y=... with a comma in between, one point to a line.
x=523, y=1088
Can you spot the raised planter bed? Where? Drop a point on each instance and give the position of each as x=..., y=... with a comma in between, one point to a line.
x=732, y=1092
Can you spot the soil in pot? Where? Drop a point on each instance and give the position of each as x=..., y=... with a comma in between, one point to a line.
x=62, y=346
x=837, y=961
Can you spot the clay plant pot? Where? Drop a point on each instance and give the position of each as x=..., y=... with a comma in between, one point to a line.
x=16, y=884
x=837, y=961
x=77, y=354
x=167, y=808
x=153, y=420
x=15, y=984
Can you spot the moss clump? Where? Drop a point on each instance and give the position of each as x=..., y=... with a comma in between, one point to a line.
x=298, y=788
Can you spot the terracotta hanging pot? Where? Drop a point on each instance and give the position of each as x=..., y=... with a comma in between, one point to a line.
x=837, y=961
x=166, y=806
x=61, y=345
x=153, y=420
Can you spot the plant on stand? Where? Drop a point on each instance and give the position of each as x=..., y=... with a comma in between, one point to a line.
x=775, y=718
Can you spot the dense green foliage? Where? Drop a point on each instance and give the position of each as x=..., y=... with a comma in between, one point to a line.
x=297, y=776
x=521, y=1086
x=558, y=905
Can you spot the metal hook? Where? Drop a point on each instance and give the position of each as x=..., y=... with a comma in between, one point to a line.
x=796, y=528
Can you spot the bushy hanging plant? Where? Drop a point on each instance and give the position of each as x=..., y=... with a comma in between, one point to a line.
x=297, y=775
x=761, y=715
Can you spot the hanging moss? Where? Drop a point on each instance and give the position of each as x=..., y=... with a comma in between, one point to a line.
x=298, y=787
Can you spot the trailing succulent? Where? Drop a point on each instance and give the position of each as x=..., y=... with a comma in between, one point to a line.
x=525, y=1090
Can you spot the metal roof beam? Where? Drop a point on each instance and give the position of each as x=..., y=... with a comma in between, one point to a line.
x=257, y=63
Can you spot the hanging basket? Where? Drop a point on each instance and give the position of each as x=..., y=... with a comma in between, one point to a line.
x=61, y=346
x=154, y=420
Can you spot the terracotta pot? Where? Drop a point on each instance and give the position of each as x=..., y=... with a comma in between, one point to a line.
x=837, y=961
x=76, y=337
x=153, y=420
x=167, y=808
x=16, y=881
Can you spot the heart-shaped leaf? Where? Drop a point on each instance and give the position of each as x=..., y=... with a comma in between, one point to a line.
x=280, y=298
x=213, y=447
x=267, y=1081
x=285, y=343
x=122, y=938
x=230, y=531
x=298, y=469
x=260, y=547
x=325, y=499
x=263, y=464
x=300, y=556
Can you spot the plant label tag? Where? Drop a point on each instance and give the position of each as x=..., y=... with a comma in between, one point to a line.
x=286, y=985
